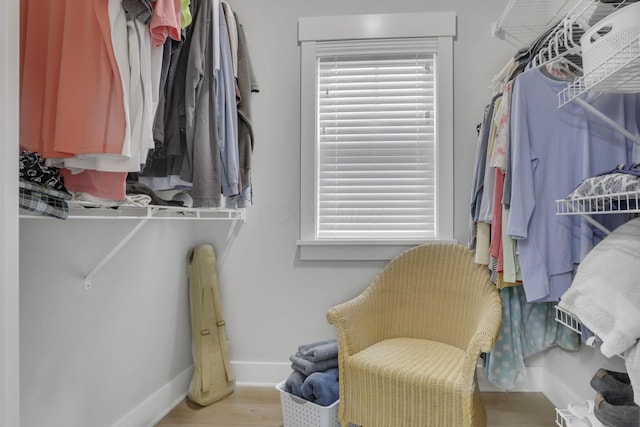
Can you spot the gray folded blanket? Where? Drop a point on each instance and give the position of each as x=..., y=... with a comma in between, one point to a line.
x=318, y=351
x=306, y=367
x=293, y=384
x=322, y=388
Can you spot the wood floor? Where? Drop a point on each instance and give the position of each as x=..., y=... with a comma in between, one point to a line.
x=260, y=407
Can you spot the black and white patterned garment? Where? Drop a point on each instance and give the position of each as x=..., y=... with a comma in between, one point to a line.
x=602, y=185
x=43, y=204
x=41, y=188
x=625, y=179
x=33, y=169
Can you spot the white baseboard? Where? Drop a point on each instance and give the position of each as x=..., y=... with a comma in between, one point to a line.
x=265, y=374
x=149, y=412
x=260, y=374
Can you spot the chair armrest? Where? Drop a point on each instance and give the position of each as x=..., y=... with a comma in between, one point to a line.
x=358, y=323
x=486, y=334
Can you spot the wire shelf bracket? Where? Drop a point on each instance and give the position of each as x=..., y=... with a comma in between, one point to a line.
x=90, y=211
x=88, y=280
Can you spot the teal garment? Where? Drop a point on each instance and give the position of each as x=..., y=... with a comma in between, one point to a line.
x=527, y=329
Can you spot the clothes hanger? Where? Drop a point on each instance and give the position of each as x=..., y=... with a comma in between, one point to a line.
x=560, y=69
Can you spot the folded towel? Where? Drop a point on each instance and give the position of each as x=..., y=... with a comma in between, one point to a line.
x=293, y=384
x=305, y=347
x=307, y=368
x=319, y=351
x=321, y=388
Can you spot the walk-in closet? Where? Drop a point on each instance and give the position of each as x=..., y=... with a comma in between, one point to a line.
x=530, y=114
x=550, y=226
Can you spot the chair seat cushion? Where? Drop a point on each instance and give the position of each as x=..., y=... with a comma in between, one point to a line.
x=422, y=360
x=405, y=382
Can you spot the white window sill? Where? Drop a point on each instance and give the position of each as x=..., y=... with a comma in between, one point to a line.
x=355, y=250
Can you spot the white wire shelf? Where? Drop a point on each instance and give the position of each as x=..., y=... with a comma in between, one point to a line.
x=86, y=210
x=563, y=21
x=564, y=418
x=564, y=40
x=628, y=202
x=142, y=214
x=568, y=319
x=618, y=73
x=522, y=21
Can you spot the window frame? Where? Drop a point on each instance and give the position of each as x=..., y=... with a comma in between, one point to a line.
x=441, y=25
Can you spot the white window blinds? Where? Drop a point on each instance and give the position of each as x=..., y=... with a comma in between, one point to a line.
x=376, y=115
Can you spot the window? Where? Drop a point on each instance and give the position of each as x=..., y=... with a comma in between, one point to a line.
x=376, y=126
x=376, y=140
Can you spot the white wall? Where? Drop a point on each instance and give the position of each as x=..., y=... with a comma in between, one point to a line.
x=113, y=355
x=9, y=317
x=567, y=374
x=292, y=296
x=89, y=357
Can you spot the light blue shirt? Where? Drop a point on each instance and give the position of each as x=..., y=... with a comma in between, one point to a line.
x=552, y=150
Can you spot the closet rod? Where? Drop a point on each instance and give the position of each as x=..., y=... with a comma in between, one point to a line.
x=88, y=279
x=606, y=119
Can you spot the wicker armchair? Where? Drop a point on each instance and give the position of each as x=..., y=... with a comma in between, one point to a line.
x=409, y=344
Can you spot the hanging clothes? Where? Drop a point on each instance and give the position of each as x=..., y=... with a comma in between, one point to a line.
x=552, y=150
x=540, y=156
x=526, y=330
x=71, y=96
x=201, y=161
x=165, y=160
x=205, y=123
x=132, y=50
x=146, y=78
x=477, y=185
x=227, y=112
x=165, y=21
x=247, y=84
